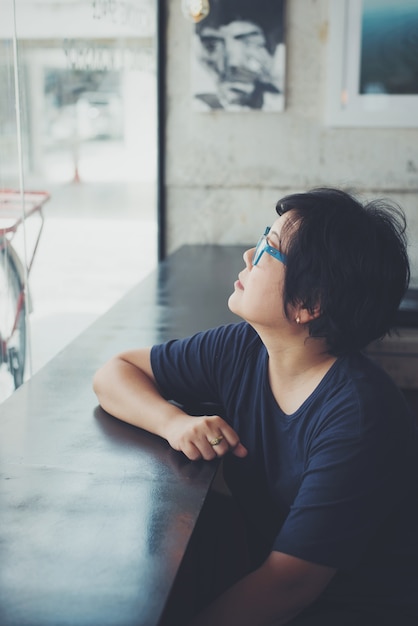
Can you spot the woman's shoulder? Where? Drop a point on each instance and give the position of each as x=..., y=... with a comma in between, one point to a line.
x=359, y=371
x=361, y=387
x=243, y=331
x=231, y=344
x=240, y=334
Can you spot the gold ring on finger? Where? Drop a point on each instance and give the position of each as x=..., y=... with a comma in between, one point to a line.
x=216, y=441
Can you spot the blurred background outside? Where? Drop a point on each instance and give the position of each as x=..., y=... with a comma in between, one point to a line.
x=78, y=121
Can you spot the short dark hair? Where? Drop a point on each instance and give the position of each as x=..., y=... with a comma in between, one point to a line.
x=351, y=260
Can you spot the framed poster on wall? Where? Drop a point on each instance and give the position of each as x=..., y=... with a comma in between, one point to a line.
x=373, y=63
x=238, y=57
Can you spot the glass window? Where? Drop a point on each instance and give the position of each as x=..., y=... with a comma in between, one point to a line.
x=80, y=144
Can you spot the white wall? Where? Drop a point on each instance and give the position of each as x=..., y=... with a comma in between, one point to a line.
x=225, y=171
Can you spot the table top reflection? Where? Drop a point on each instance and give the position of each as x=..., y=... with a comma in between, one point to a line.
x=96, y=514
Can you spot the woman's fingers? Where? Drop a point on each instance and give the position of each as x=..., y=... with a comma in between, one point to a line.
x=206, y=437
x=239, y=451
x=220, y=441
x=233, y=440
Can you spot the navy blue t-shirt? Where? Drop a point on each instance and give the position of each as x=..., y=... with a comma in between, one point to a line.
x=335, y=483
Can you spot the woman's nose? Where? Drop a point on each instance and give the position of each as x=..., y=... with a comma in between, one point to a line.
x=248, y=257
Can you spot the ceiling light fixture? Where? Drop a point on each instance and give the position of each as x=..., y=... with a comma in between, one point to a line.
x=195, y=10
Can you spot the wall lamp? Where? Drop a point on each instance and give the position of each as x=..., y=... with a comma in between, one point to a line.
x=195, y=10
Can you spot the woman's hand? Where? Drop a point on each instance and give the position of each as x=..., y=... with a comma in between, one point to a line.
x=126, y=388
x=205, y=437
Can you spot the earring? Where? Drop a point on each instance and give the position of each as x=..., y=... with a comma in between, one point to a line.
x=297, y=320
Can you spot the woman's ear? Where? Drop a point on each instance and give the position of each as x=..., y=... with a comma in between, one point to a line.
x=304, y=315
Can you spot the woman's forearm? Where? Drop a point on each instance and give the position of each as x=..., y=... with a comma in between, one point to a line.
x=273, y=594
x=128, y=393
x=125, y=388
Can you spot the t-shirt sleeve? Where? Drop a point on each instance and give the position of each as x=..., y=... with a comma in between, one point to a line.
x=351, y=481
x=193, y=371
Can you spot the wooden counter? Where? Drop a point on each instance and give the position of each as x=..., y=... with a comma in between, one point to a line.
x=95, y=514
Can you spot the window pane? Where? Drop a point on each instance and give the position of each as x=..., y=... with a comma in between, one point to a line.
x=87, y=138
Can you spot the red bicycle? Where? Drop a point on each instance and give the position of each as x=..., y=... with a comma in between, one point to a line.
x=15, y=208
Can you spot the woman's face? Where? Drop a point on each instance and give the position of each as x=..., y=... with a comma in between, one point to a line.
x=258, y=292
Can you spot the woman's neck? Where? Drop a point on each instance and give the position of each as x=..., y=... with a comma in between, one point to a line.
x=295, y=369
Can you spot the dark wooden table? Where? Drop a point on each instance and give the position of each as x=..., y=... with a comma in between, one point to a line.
x=95, y=515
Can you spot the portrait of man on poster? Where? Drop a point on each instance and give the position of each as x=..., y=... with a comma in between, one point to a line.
x=239, y=57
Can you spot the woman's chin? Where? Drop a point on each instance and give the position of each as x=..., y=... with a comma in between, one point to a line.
x=232, y=304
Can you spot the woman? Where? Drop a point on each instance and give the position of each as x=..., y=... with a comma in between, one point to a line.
x=320, y=449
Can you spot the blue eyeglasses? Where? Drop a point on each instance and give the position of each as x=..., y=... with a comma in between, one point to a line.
x=263, y=246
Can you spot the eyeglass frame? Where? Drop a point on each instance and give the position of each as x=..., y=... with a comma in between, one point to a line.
x=264, y=246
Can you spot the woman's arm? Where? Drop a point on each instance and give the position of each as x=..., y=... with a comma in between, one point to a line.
x=126, y=388
x=273, y=594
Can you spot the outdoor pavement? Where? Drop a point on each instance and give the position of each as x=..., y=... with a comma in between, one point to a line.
x=98, y=241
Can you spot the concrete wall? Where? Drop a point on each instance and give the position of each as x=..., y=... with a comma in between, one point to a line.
x=225, y=171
